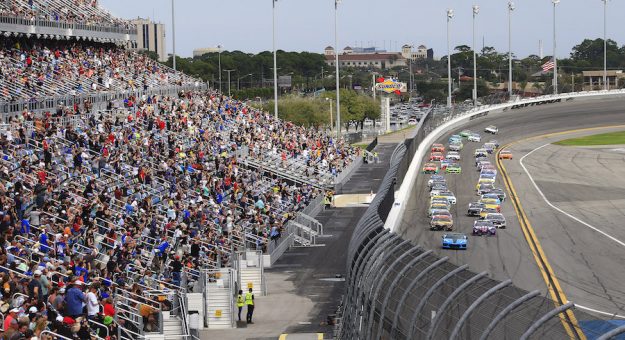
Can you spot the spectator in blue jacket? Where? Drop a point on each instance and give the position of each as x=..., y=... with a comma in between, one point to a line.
x=74, y=300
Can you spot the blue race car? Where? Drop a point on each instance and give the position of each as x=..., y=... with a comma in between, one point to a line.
x=455, y=241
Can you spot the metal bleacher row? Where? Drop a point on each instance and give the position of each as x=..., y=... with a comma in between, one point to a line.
x=115, y=221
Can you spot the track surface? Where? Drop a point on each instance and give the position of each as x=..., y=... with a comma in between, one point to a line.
x=588, y=265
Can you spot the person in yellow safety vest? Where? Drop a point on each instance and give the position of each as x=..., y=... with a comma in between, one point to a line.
x=240, y=302
x=326, y=201
x=249, y=301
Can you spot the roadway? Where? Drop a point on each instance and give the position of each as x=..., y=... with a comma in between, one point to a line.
x=587, y=263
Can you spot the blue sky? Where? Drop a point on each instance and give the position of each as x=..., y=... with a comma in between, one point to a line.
x=308, y=25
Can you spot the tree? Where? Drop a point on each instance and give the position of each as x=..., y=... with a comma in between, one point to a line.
x=463, y=48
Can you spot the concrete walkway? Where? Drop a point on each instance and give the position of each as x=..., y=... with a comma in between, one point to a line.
x=305, y=286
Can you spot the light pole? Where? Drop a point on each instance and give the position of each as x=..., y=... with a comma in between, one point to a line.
x=476, y=10
x=510, y=9
x=229, y=71
x=173, y=33
x=450, y=14
x=275, y=62
x=336, y=62
x=605, y=45
x=331, y=123
x=239, y=81
x=555, y=60
x=219, y=52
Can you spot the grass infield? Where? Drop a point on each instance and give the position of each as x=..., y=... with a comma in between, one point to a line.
x=611, y=138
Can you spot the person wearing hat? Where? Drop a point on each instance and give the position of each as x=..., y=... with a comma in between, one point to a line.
x=9, y=318
x=34, y=286
x=74, y=299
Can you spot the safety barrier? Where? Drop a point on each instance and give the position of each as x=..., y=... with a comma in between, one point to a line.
x=395, y=289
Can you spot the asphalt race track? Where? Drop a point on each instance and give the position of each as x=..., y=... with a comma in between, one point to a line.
x=586, y=183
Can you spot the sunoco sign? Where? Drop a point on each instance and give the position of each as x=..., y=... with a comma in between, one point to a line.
x=390, y=86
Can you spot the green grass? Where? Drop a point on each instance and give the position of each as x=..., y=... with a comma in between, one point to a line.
x=612, y=138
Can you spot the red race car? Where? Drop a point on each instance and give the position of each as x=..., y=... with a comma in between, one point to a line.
x=437, y=156
x=438, y=148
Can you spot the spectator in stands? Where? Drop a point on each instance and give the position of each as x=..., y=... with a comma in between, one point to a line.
x=93, y=305
x=74, y=300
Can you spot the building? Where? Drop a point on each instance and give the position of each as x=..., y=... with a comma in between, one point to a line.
x=593, y=80
x=151, y=37
x=408, y=52
x=198, y=52
x=372, y=58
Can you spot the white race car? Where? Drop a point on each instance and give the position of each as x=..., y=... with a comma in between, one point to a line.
x=474, y=138
x=453, y=155
x=491, y=129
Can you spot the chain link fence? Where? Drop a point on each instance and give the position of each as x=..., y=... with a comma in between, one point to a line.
x=397, y=290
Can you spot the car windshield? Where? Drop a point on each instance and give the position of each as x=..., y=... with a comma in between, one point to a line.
x=494, y=217
x=455, y=237
x=483, y=224
x=441, y=218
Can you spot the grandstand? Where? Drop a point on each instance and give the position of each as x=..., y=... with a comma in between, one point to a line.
x=136, y=187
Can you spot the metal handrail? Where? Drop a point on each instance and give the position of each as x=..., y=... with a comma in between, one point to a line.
x=102, y=325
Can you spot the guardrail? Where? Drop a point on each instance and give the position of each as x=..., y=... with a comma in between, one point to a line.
x=395, y=289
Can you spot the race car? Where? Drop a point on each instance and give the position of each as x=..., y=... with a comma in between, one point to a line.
x=474, y=138
x=487, y=175
x=492, y=196
x=484, y=188
x=484, y=227
x=430, y=168
x=498, y=220
x=454, y=138
x=438, y=210
x=494, y=141
x=438, y=187
x=435, y=178
x=505, y=154
x=456, y=146
x=438, y=148
x=436, y=156
x=441, y=222
x=439, y=202
x=488, y=172
x=455, y=241
x=499, y=192
x=491, y=203
x=480, y=153
x=465, y=133
x=490, y=147
x=445, y=163
x=485, y=211
x=449, y=196
x=491, y=129
x=480, y=159
x=453, y=155
x=453, y=168
x=475, y=208
x=484, y=181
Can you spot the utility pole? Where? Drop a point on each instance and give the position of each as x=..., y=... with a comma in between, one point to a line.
x=476, y=10
x=336, y=61
x=275, y=62
x=229, y=71
x=173, y=33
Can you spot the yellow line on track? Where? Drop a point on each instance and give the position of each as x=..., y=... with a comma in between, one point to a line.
x=553, y=285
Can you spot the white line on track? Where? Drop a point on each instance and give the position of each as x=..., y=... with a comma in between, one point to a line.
x=575, y=219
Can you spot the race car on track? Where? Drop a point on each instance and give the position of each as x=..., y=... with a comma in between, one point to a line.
x=480, y=159
x=441, y=222
x=494, y=141
x=456, y=146
x=435, y=178
x=445, y=163
x=449, y=196
x=436, y=156
x=453, y=168
x=454, y=138
x=500, y=193
x=491, y=203
x=438, y=148
x=439, y=202
x=488, y=175
x=484, y=188
x=484, y=227
x=475, y=138
x=453, y=155
x=485, y=211
x=480, y=153
x=490, y=147
x=455, y=241
x=498, y=220
x=438, y=186
x=430, y=168
x=484, y=181
x=491, y=196
x=465, y=133
x=438, y=211
x=492, y=129
x=505, y=154
x=475, y=208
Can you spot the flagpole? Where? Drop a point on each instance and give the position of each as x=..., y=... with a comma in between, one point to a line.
x=275, y=62
x=336, y=61
x=555, y=60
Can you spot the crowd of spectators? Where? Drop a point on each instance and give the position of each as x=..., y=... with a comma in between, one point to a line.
x=137, y=199
x=86, y=12
x=31, y=68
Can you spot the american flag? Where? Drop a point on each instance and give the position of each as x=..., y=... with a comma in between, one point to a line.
x=548, y=65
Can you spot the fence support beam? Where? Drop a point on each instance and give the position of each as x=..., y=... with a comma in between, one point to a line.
x=506, y=311
x=544, y=319
x=443, y=308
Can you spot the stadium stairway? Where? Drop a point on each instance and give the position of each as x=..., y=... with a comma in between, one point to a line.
x=219, y=300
